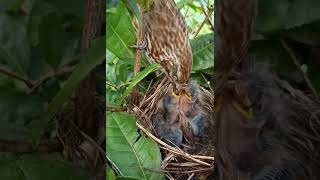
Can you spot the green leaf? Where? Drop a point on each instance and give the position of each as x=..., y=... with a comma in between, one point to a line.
x=71, y=7
x=52, y=39
x=9, y=169
x=127, y=178
x=17, y=109
x=94, y=56
x=199, y=77
x=145, y=4
x=120, y=32
x=134, y=8
x=271, y=14
x=38, y=167
x=111, y=3
x=202, y=50
x=307, y=34
x=302, y=12
x=39, y=11
x=133, y=154
x=140, y=75
x=8, y=4
x=110, y=173
x=14, y=45
x=274, y=15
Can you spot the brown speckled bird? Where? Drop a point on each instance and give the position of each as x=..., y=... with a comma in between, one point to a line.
x=234, y=24
x=236, y=130
x=166, y=42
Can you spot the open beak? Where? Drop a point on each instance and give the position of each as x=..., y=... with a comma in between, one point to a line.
x=182, y=93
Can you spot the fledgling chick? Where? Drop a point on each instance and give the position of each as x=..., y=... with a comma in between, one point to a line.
x=170, y=103
x=171, y=108
x=170, y=133
x=198, y=126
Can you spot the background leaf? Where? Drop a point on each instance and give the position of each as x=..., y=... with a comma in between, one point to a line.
x=38, y=167
x=52, y=39
x=275, y=15
x=202, y=50
x=131, y=152
x=17, y=109
x=140, y=75
x=14, y=45
x=120, y=32
x=93, y=57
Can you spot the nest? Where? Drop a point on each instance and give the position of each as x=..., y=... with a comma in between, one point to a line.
x=179, y=162
x=78, y=147
x=285, y=128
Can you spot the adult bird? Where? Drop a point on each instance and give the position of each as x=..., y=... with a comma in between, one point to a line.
x=235, y=151
x=166, y=41
x=234, y=25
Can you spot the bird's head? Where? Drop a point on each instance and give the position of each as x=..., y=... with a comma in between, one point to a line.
x=181, y=89
x=180, y=74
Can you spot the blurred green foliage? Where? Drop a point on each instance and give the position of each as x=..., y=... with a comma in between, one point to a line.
x=40, y=65
x=297, y=22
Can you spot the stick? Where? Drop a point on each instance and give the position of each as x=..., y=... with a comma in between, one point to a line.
x=169, y=148
x=137, y=60
x=202, y=24
x=296, y=62
x=15, y=76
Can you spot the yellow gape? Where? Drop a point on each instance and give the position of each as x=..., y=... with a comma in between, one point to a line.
x=189, y=97
x=248, y=114
x=175, y=95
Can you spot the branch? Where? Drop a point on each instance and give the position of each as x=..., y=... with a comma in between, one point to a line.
x=296, y=62
x=185, y=15
x=11, y=74
x=137, y=60
x=206, y=14
x=202, y=24
x=51, y=74
x=27, y=146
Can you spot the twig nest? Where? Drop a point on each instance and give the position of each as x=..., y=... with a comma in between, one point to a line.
x=180, y=120
x=265, y=128
x=182, y=126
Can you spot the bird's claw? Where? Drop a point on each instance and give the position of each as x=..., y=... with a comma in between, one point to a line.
x=139, y=47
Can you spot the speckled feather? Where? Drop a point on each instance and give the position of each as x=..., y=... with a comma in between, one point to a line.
x=167, y=42
x=235, y=21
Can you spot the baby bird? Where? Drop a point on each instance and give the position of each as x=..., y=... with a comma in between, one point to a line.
x=198, y=126
x=180, y=119
x=170, y=133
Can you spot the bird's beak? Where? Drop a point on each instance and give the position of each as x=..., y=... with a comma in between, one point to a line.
x=248, y=114
x=182, y=93
x=188, y=96
x=176, y=95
